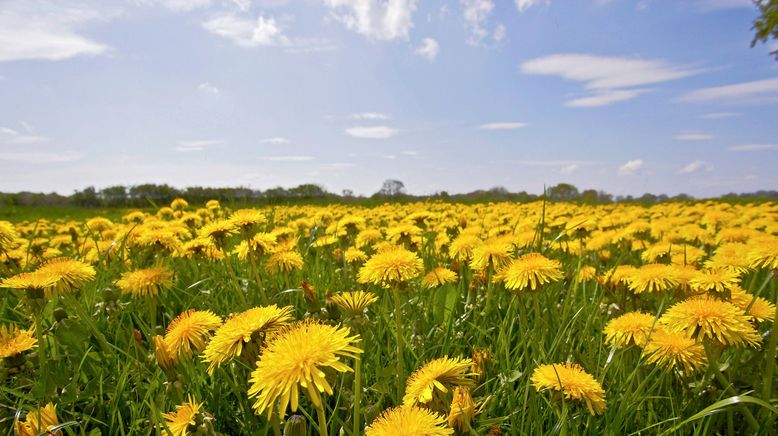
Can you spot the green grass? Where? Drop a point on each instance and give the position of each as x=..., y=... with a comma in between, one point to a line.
x=121, y=390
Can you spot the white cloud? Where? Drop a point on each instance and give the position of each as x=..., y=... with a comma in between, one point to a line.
x=715, y=5
x=569, y=169
x=10, y=136
x=695, y=166
x=609, y=79
x=604, y=98
x=39, y=158
x=388, y=157
x=186, y=5
x=499, y=32
x=555, y=163
x=275, y=140
x=32, y=30
x=370, y=116
x=428, y=49
x=289, y=158
x=375, y=19
x=631, y=167
x=739, y=92
x=371, y=132
x=693, y=136
x=754, y=147
x=476, y=12
x=523, y=5
x=264, y=31
x=197, y=144
x=720, y=115
x=208, y=88
x=502, y=126
x=409, y=152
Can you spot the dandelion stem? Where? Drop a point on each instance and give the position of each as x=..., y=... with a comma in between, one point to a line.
x=322, y=420
x=398, y=322
x=770, y=354
x=357, y=394
x=722, y=379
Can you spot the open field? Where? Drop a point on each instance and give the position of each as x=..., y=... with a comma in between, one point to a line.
x=501, y=318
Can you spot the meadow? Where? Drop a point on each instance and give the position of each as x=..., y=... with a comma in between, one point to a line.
x=426, y=318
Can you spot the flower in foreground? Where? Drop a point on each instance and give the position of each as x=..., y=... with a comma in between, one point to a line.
x=718, y=280
x=354, y=302
x=36, y=283
x=297, y=356
x=70, y=274
x=437, y=375
x=40, y=422
x=408, y=421
x=284, y=261
x=530, y=271
x=670, y=349
x=390, y=267
x=652, y=277
x=438, y=277
x=630, y=328
x=184, y=419
x=462, y=410
x=190, y=331
x=573, y=382
x=757, y=308
x=14, y=341
x=242, y=329
x=146, y=282
x=707, y=317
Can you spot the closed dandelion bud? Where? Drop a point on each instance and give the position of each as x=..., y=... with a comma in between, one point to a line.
x=332, y=308
x=165, y=359
x=60, y=314
x=109, y=294
x=494, y=431
x=296, y=425
x=310, y=296
x=462, y=409
x=481, y=360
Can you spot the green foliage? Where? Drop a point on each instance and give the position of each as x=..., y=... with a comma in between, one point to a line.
x=766, y=25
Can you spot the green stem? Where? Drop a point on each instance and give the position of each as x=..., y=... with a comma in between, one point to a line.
x=258, y=276
x=85, y=317
x=274, y=421
x=357, y=395
x=42, y=355
x=398, y=322
x=236, y=283
x=322, y=420
x=713, y=363
x=770, y=355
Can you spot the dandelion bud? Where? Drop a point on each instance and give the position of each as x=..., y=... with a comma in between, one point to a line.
x=311, y=297
x=494, y=431
x=462, y=409
x=296, y=425
x=481, y=360
x=165, y=360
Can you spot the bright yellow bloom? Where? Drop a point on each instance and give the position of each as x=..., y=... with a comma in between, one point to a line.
x=764, y=254
x=391, y=267
x=202, y=248
x=284, y=262
x=178, y=204
x=759, y=308
x=298, y=356
x=630, y=328
x=70, y=273
x=438, y=277
x=718, y=280
x=218, y=231
x=652, y=277
x=573, y=382
x=37, y=284
x=40, y=422
x=531, y=270
x=462, y=410
x=670, y=349
x=190, y=331
x=145, y=282
x=8, y=236
x=14, y=341
x=437, y=375
x=165, y=359
x=354, y=255
x=247, y=220
x=462, y=246
x=183, y=421
x=259, y=245
x=242, y=329
x=705, y=317
x=587, y=273
x=408, y=421
x=492, y=253
x=355, y=302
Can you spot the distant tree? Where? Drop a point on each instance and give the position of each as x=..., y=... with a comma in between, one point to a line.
x=392, y=188
x=114, y=195
x=562, y=192
x=347, y=193
x=86, y=198
x=766, y=25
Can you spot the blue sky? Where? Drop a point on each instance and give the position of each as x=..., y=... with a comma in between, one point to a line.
x=624, y=96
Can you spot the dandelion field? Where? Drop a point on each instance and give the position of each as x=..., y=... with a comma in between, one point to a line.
x=424, y=318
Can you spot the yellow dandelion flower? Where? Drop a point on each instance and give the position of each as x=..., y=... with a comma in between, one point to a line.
x=212, y=205
x=354, y=255
x=161, y=239
x=190, y=331
x=481, y=360
x=438, y=277
x=14, y=341
x=670, y=349
x=183, y=421
x=297, y=357
x=391, y=267
x=8, y=236
x=574, y=383
x=218, y=231
x=652, y=277
x=437, y=375
x=587, y=273
x=179, y=204
x=70, y=273
x=630, y=328
x=247, y=220
x=354, y=302
x=259, y=245
x=284, y=262
x=201, y=248
x=705, y=317
x=408, y=421
x=462, y=246
x=242, y=329
x=757, y=308
x=492, y=253
x=41, y=422
x=368, y=237
x=531, y=270
x=145, y=282
x=165, y=359
x=619, y=275
x=764, y=254
x=34, y=283
x=718, y=280
x=462, y=410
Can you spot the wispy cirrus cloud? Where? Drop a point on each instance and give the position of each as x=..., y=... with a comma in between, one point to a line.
x=720, y=115
x=693, y=136
x=40, y=157
x=370, y=116
x=371, y=132
x=754, y=147
x=631, y=167
x=302, y=158
x=504, y=125
x=607, y=79
x=744, y=92
x=197, y=144
x=695, y=166
x=11, y=136
x=275, y=140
